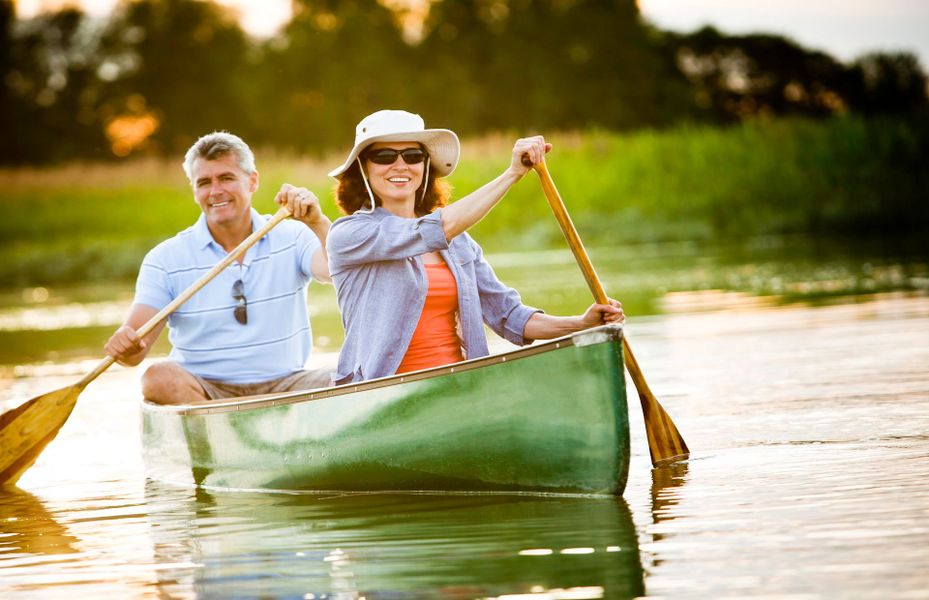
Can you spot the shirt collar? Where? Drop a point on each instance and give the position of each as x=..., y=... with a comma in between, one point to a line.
x=204, y=238
x=380, y=213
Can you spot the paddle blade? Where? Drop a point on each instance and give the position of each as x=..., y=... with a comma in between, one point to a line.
x=28, y=428
x=665, y=443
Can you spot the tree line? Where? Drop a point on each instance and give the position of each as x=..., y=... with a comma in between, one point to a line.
x=156, y=74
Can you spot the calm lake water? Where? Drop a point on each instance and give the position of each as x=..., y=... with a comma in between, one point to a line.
x=808, y=423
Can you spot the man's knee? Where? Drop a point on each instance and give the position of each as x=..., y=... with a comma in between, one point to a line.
x=169, y=383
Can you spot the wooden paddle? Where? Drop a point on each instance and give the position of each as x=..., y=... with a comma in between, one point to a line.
x=665, y=443
x=27, y=429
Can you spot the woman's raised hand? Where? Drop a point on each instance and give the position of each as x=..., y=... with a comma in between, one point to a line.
x=531, y=148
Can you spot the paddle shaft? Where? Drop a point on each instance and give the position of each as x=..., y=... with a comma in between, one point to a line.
x=665, y=443
x=195, y=287
x=583, y=261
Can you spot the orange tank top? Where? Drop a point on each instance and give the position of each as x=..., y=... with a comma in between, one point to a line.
x=435, y=341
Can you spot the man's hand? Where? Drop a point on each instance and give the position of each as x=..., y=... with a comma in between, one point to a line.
x=126, y=346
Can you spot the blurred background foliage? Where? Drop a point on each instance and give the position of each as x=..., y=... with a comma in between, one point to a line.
x=660, y=135
x=156, y=74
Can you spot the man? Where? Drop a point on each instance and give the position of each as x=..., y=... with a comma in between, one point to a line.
x=247, y=331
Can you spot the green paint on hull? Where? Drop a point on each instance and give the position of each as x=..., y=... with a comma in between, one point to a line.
x=551, y=419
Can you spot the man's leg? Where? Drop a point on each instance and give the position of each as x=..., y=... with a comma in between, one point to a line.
x=302, y=380
x=169, y=383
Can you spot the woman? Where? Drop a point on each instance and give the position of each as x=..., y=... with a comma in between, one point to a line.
x=413, y=287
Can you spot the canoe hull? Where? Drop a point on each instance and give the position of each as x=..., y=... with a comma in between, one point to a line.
x=551, y=418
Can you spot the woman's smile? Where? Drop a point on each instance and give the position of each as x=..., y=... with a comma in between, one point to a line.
x=395, y=184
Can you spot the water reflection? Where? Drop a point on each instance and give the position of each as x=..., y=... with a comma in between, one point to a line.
x=27, y=527
x=665, y=494
x=377, y=546
x=667, y=483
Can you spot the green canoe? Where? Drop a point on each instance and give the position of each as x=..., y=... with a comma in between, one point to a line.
x=548, y=418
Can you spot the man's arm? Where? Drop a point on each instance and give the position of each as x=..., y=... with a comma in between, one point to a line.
x=320, y=261
x=304, y=207
x=125, y=345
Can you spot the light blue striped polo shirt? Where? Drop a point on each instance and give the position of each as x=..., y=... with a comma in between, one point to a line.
x=206, y=338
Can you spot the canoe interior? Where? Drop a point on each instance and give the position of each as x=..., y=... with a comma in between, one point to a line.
x=551, y=418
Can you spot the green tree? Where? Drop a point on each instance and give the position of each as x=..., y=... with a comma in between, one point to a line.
x=888, y=83
x=50, y=89
x=334, y=63
x=543, y=64
x=186, y=64
x=9, y=108
x=743, y=76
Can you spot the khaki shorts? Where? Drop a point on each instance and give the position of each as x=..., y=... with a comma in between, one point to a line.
x=301, y=380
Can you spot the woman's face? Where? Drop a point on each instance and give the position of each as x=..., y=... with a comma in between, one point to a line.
x=395, y=183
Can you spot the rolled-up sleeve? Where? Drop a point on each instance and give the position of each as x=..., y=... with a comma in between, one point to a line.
x=359, y=239
x=501, y=305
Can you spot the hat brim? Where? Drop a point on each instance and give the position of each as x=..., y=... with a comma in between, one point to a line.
x=442, y=145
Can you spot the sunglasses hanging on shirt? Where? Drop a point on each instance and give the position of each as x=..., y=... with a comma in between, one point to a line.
x=238, y=294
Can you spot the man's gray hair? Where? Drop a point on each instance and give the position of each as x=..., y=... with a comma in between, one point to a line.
x=217, y=145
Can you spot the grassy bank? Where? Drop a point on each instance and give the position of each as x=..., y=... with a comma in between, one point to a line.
x=840, y=177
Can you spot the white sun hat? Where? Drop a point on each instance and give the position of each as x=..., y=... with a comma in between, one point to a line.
x=402, y=126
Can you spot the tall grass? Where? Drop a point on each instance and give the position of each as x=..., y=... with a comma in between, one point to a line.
x=849, y=175
x=846, y=176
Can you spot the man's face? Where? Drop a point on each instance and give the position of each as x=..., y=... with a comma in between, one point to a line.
x=223, y=190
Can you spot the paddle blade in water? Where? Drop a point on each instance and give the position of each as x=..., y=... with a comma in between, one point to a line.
x=665, y=443
x=28, y=428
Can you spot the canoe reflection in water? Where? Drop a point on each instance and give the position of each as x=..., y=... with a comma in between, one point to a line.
x=243, y=544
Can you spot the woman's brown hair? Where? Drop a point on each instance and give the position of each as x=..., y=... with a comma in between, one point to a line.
x=351, y=193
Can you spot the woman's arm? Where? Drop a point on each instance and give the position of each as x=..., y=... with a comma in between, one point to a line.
x=463, y=214
x=541, y=326
x=361, y=239
x=508, y=317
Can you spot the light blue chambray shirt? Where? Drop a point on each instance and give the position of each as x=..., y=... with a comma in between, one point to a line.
x=206, y=338
x=381, y=284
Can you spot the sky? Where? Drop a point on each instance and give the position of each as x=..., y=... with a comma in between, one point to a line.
x=259, y=17
x=843, y=28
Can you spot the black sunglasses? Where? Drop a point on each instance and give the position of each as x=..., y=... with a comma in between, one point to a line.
x=387, y=156
x=238, y=294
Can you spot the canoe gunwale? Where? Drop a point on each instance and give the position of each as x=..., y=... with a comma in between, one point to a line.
x=603, y=333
